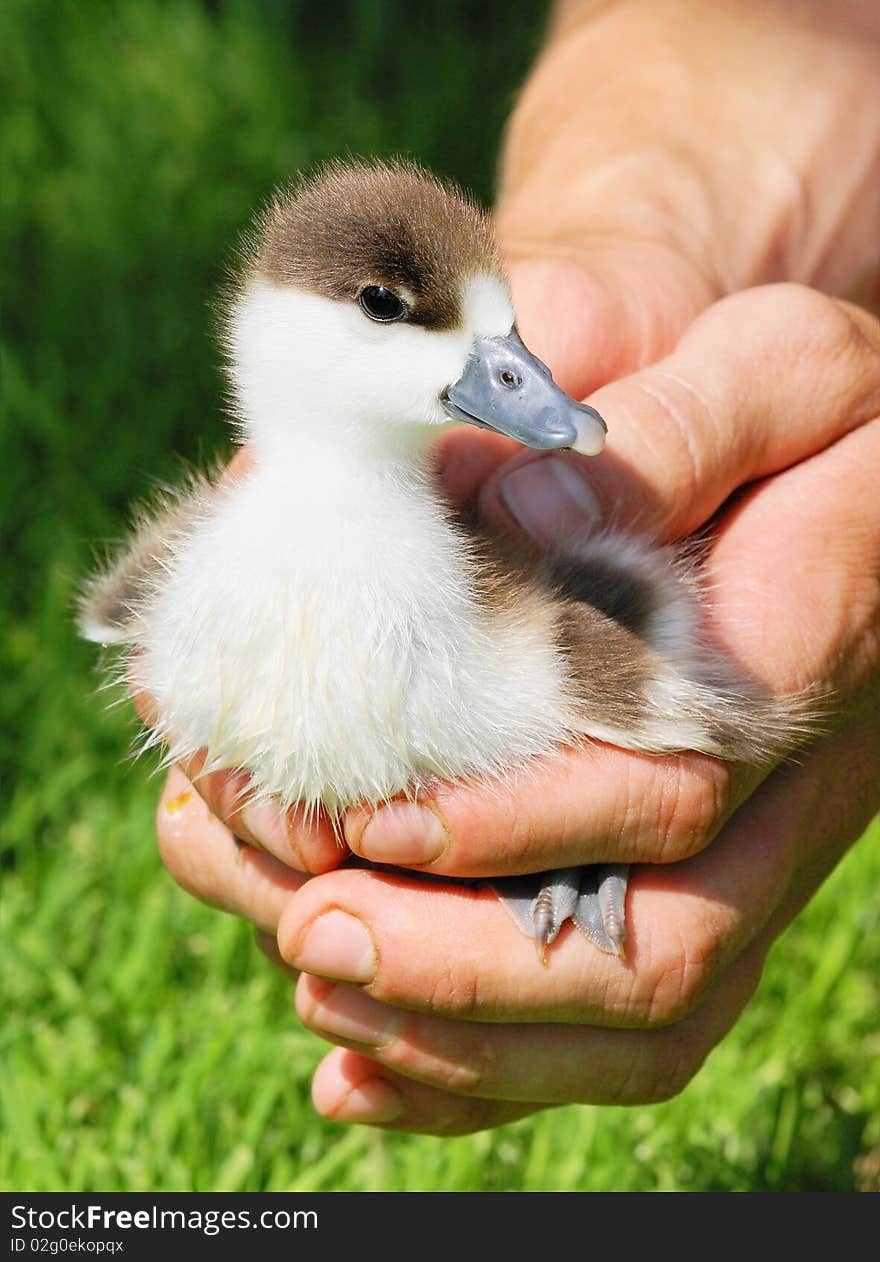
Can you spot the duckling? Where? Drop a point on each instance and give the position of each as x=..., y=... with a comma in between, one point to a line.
x=328, y=622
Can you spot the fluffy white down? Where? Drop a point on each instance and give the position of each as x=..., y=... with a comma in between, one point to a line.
x=311, y=639
x=317, y=627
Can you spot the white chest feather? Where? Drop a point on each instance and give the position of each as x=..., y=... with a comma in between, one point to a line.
x=320, y=631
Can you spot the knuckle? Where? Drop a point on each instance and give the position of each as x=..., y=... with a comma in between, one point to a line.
x=681, y=969
x=462, y=1077
x=682, y=414
x=670, y=1073
x=526, y=841
x=477, y=1068
x=829, y=321
x=226, y=793
x=169, y=848
x=823, y=323
x=463, y=1117
x=802, y=326
x=867, y=328
x=686, y=806
x=171, y=836
x=455, y=992
x=651, y=1079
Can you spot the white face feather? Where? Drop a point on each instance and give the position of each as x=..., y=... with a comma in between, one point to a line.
x=309, y=370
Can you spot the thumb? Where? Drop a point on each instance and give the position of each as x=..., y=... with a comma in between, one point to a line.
x=592, y=318
x=606, y=311
x=762, y=381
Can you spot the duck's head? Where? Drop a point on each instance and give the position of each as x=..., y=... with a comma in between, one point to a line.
x=373, y=305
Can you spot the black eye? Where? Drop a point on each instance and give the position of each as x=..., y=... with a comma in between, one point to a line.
x=381, y=304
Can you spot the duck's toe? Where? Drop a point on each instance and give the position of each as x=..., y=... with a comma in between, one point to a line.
x=593, y=897
x=601, y=906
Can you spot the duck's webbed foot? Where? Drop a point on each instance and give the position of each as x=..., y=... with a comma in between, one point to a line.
x=593, y=897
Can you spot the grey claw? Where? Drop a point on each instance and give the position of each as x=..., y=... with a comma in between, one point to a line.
x=601, y=907
x=517, y=895
x=540, y=904
x=554, y=905
x=593, y=897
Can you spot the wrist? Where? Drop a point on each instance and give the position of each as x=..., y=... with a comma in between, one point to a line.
x=739, y=137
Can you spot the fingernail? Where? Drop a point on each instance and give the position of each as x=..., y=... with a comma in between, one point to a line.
x=349, y=1014
x=403, y=833
x=373, y=1100
x=267, y=824
x=337, y=945
x=549, y=499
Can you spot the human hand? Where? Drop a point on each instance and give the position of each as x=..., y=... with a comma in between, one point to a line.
x=449, y=1022
x=623, y=214
x=667, y=207
x=665, y=153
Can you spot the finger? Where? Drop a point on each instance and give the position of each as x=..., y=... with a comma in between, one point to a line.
x=350, y=1088
x=760, y=381
x=607, y=307
x=844, y=774
x=267, y=944
x=454, y=1061
x=795, y=575
x=550, y=1064
x=203, y=856
x=827, y=802
x=592, y=804
x=303, y=840
x=687, y=923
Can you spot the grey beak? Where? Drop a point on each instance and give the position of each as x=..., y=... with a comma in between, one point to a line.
x=506, y=388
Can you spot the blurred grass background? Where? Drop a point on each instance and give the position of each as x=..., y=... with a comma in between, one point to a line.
x=145, y=1043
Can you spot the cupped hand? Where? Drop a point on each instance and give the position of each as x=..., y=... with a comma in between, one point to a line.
x=765, y=418
x=663, y=153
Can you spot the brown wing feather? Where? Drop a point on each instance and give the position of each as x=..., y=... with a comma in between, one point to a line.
x=607, y=602
x=110, y=605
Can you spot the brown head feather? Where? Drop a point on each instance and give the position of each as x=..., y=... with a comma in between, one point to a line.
x=400, y=227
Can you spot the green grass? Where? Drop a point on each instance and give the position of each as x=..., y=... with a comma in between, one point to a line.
x=145, y=1043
